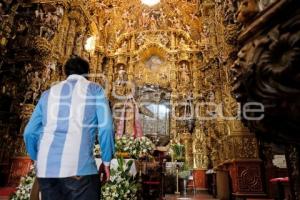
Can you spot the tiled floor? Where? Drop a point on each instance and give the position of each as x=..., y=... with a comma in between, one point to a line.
x=190, y=197
x=200, y=196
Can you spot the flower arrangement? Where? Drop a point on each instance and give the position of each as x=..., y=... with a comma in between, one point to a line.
x=125, y=144
x=24, y=188
x=184, y=171
x=122, y=185
x=144, y=146
x=135, y=147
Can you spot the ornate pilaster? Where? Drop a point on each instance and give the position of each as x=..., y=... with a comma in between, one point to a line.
x=187, y=141
x=71, y=37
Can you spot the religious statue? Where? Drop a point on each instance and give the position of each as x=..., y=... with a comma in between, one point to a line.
x=144, y=21
x=125, y=15
x=48, y=18
x=153, y=23
x=123, y=88
x=247, y=10
x=39, y=14
x=183, y=44
x=59, y=11
x=187, y=28
x=130, y=25
x=140, y=39
x=22, y=25
x=34, y=88
x=122, y=76
x=28, y=68
x=184, y=74
x=123, y=47
x=118, y=33
x=162, y=17
x=164, y=38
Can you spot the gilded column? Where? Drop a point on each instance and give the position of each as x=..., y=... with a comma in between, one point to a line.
x=79, y=41
x=110, y=75
x=71, y=37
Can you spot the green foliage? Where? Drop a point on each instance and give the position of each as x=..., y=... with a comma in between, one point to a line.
x=178, y=151
x=122, y=185
x=185, y=171
x=24, y=188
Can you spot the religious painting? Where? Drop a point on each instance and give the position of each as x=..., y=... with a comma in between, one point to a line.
x=154, y=62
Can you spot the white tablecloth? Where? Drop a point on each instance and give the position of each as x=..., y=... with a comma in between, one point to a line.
x=114, y=165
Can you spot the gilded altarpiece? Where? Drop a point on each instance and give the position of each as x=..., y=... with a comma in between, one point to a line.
x=183, y=48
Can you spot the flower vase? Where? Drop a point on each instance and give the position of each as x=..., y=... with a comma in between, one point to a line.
x=20, y=167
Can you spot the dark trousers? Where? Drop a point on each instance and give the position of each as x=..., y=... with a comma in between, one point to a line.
x=72, y=188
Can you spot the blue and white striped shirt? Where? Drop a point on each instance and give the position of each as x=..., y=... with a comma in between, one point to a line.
x=61, y=132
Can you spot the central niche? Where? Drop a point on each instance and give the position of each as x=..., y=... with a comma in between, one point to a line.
x=154, y=62
x=155, y=112
x=153, y=67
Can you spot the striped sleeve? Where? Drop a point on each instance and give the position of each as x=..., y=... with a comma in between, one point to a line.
x=105, y=127
x=33, y=130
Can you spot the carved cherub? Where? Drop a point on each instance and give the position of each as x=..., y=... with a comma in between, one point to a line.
x=140, y=39
x=28, y=68
x=153, y=23
x=22, y=25
x=164, y=38
x=145, y=19
x=125, y=15
x=34, y=88
x=55, y=21
x=130, y=25
x=48, y=19
x=59, y=11
x=247, y=10
x=163, y=16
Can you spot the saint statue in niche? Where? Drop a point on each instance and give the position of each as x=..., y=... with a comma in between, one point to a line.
x=122, y=75
x=184, y=75
x=121, y=86
x=153, y=23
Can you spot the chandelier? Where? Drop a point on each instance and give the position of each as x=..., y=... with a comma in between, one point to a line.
x=150, y=2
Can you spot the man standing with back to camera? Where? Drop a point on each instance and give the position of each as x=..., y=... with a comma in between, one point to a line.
x=61, y=133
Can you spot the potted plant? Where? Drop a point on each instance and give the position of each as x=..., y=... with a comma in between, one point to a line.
x=20, y=164
x=184, y=174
